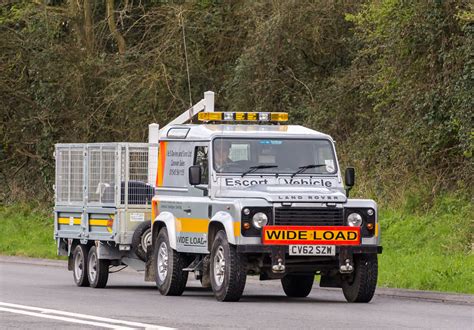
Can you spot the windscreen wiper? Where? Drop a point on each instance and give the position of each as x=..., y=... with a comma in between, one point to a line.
x=252, y=169
x=301, y=169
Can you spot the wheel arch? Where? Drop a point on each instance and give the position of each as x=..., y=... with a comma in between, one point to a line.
x=167, y=220
x=221, y=221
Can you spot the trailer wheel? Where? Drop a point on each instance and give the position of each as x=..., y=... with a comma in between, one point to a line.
x=79, y=269
x=297, y=286
x=170, y=277
x=360, y=287
x=228, y=273
x=97, y=269
x=141, y=240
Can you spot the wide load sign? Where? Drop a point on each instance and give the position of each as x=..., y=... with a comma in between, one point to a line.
x=309, y=235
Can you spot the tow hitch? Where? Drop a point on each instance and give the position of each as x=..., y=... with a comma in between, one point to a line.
x=346, y=267
x=278, y=260
x=346, y=264
x=279, y=267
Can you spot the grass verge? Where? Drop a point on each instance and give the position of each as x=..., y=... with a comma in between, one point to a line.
x=27, y=231
x=427, y=250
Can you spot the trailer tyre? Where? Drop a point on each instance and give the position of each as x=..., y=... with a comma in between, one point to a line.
x=228, y=273
x=141, y=240
x=360, y=287
x=170, y=277
x=79, y=270
x=97, y=269
x=297, y=286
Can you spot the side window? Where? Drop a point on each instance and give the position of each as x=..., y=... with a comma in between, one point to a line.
x=200, y=158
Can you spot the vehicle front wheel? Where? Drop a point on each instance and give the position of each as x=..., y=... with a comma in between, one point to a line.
x=297, y=286
x=170, y=277
x=360, y=286
x=97, y=269
x=79, y=271
x=228, y=273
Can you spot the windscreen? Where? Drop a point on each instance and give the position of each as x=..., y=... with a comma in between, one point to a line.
x=276, y=156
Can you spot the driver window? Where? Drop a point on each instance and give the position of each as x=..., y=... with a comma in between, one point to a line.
x=200, y=158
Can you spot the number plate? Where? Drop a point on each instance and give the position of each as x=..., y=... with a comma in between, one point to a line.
x=312, y=250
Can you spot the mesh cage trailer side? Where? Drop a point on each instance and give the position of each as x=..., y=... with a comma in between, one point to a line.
x=103, y=190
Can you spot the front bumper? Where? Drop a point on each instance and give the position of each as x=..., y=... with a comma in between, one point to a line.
x=276, y=259
x=258, y=248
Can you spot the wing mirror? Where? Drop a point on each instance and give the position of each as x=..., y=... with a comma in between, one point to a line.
x=349, y=179
x=195, y=175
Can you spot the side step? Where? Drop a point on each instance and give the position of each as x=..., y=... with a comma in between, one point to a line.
x=196, y=265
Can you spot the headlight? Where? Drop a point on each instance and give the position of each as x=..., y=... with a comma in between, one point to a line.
x=259, y=220
x=246, y=211
x=354, y=220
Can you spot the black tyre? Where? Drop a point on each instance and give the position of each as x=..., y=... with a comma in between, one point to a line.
x=97, y=269
x=228, y=273
x=79, y=270
x=360, y=287
x=297, y=286
x=170, y=277
x=141, y=240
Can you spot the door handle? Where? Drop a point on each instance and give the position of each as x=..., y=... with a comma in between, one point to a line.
x=187, y=210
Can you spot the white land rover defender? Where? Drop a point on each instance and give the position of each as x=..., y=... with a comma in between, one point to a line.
x=241, y=194
x=237, y=194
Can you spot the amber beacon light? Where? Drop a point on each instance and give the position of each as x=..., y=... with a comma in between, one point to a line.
x=244, y=116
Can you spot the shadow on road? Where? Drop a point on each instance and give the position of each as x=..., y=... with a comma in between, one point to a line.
x=131, y=287
x=285, y=299
x=199, y=293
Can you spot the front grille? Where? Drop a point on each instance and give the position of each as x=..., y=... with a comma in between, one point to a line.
x=309, y=216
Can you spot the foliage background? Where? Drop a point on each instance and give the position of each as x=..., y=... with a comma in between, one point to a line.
x=391, y=80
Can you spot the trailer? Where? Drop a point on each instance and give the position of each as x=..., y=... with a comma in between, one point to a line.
x=103, y=193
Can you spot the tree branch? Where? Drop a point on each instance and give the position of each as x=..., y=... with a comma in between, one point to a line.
x=113, y=27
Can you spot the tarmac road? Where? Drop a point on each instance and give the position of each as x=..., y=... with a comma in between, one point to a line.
x=41, y=295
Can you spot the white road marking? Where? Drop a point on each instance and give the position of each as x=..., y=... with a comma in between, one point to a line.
x=76, y=317
x=62, y=318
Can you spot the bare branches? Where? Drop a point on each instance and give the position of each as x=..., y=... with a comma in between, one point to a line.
x=89, y=26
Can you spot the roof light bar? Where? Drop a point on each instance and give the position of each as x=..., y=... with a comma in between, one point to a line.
x=243, y=116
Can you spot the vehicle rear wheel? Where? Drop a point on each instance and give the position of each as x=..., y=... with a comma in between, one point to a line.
x=79, y=271
x=97, y=269
x=297, y=286
x=228, y=273
x=170, y=277
x=360, y=287
x=141, y=240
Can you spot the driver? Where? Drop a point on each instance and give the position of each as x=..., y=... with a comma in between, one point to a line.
x=221, y=154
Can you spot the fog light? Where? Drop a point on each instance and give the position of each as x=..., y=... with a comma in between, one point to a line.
x=370, y=226
x=246, y=225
